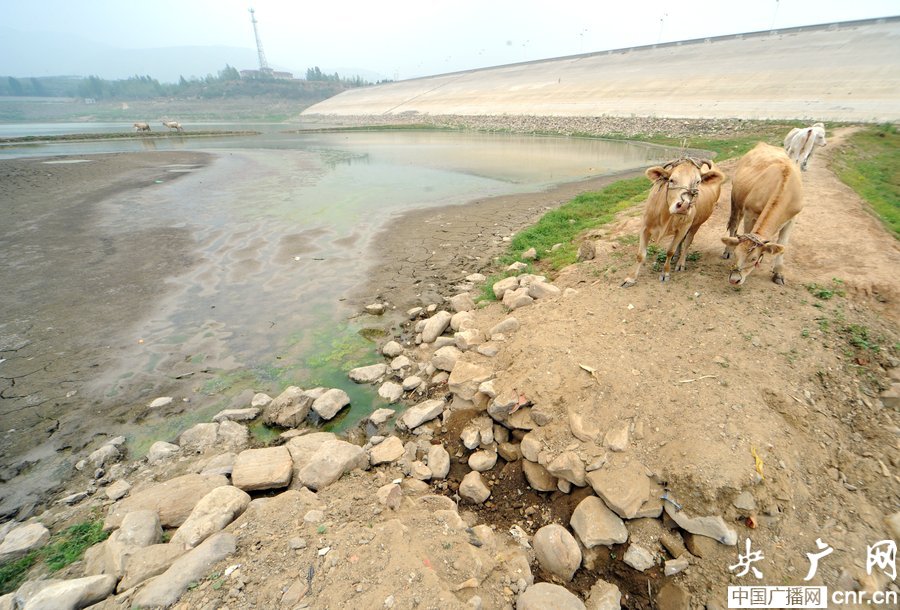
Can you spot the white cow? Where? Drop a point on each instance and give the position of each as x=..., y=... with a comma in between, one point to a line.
x=799, y=143
x=141, y=127
x=173, y=125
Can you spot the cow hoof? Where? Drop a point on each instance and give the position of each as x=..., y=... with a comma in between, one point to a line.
x=778, y=279
x=628, y=283
x=663, y=277
x=726, y=255
x=680, y=267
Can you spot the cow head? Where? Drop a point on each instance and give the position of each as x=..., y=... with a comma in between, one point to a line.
x=681, y=181
x=748, y=254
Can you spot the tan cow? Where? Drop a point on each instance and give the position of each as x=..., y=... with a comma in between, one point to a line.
x=142, y=127
x=767, y=192
x=683, y=197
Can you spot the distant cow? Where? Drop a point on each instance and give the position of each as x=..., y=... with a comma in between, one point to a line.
x=683, y=197
x=173, y=125
x=767, y=192
x=142, y=127
x=799, y=143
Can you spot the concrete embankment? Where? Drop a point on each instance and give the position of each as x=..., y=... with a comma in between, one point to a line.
x=837, y=72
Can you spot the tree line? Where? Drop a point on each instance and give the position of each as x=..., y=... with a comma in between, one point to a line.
x=226, y=83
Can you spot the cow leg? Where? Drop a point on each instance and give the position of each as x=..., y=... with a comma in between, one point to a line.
x=667, y=266
x=778, y=268
x=641, y=256
x=734, y=219
x=683, y=251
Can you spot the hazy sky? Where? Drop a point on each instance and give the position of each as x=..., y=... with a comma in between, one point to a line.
x=405, y=38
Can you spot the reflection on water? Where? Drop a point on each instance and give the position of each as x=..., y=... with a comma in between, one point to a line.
x=282, y=224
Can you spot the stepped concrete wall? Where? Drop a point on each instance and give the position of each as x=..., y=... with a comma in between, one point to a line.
x=837, y=72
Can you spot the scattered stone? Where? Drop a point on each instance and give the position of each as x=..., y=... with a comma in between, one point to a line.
x=419, y=470
x=438, y=461
x=500, y=288
x=368, y=374
x=472, y=488
x=893, y=523
x=509, y=451
x=482, y=461
x=23, y=539
x=411, y=383
x=595, y=524
x=74, y=498
x=162, y=401
x=220, y=464
x=639, y=558
x=390, y=391
x=674, y=566
x=379, y=416
x=267, y=468
x=445, y=358
x=392, y=349
x=289, y=409
x=217, y=509
x=465, y=379
x=545, y=595
x=673, y=597
x=581, y=430
x=199, y=438
x=118, y=489
x=160, y=451
x=529, y=254
x=330, y=403
x=543, y=290
x=468, y=339
x=72, y=594
x=148, y=562
x=475, y=278
x=586, y=251
x=531, y=447
x=238, y=414
x=414, y=312
x=517, y=266
x=375, y=309
x=419, y=414
x=470, y=436
x=745, y=501
x=604, y=596
x=107, y=454
x=514, y=299
x=165, y=589
x=617, y=438
x=568, y=466
x=462, y=302
x=435, y=326
x=330, y=462
x=557, y=551
x=400, y=362
x=711, y=527
x=260, y=400
x=387, y=451
x=462, y=320
x=232, y=435
x=624, y=490
x=537, y=476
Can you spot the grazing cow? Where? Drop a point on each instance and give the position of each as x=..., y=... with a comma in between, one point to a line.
x=683, y=197
x=142, y=127
x=173, y=125
x=799, y=143
x=767, y=192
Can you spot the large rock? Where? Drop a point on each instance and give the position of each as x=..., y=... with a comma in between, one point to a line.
x=472, y=488
x=595, y=524
x=23, y=539
x=462, y=302
x=148, y=562
x=503, y=286
x=545, y=595
x=421, y=413
x=445, y=358
x=543, y=290
x=435, y=326
x=514, y=299
x=371, y=373
x=567, y=465
x=623, y=489
x=172, y=500
x=465, y=379
x=232, y=435
x=462, y=321
x=557, y=551
x=72, y=594
x=330, y=462
x=388, y=450
x=248, y=414
x=289, y=409
x=161, y=450
x=537, y=476
x=330, y=403
x=391, y=392
x=604, y=596
x=482, y=461
x=199, y=438
x=139, y=529
x=219, y=464
x=438, y=462
x=217, y=509
x=268, y=468
x=303, y=448
x=165, y=589
x=640, y=558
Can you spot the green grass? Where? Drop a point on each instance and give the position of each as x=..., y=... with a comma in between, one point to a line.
x=64, y=548
x=825, y=293
x=563, y=224
x=870, y=165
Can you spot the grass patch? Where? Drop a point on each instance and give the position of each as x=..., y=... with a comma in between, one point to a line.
x=825, y=293
x=64, y=548
x=870, y=165
x=562, y=225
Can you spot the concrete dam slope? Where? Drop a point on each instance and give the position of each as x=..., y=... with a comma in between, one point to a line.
x=838, y=72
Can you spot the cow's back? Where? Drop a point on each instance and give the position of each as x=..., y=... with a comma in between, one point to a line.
x=767, y=175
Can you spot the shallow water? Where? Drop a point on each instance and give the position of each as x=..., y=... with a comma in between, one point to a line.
x=283, y=226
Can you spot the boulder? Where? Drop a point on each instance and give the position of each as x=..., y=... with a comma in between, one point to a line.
x=463, y=320
x=537, y=476
x=23, y=539
x=330, y=462
x=604, y=596
x=595, y=524
x=438, y=461
x=639, y=557
x=232, y=435
x=389, y=450
x=267, y=468
x=391, y=392
x=379, y=416
x=435, y=326
x=543, y=290
x=481, y=461
x=568, y=466
x=462, y=302
x=219, y=464
x=330, y=403
x=503, y=286
x=260, y=400
x=514, y=299
x=624, y=490
x=465, y=379
x=217, y=509
x=72, y=594
x=199, y=438
x=506, y=326
x=557, y=551
x=473, y=489
x=160, y=451
x=289, y=409
x=391, y=349
x=303, y=448
x=445, y=358
x=545, y=595
x=118, y=489
x=148, y=562
x=712, y=527
x=419, y=414
x=369, y=374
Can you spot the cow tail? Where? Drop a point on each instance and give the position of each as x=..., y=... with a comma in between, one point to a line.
x=737, y=212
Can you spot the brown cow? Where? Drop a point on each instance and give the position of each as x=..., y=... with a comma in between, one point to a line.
x=767, y=192
x=682, y=198
x=141, y=127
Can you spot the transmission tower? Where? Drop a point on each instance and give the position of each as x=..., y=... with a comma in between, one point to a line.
x=263, y=64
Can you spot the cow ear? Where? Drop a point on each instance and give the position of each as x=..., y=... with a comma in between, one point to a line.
x=712, y=177
x=730, y=241
x=773, y=248
x=658, y=173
